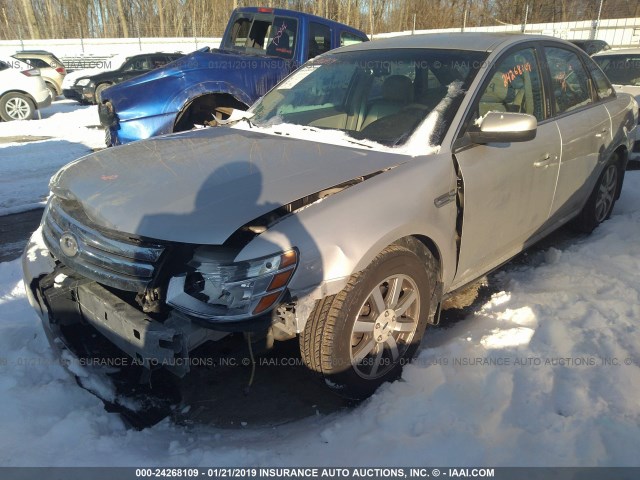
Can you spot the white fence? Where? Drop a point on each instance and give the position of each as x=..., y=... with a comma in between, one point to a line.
x=619, y=32
x=91, y=52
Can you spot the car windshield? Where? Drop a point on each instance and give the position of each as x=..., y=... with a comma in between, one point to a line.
x=377, y=95
x=621, y=69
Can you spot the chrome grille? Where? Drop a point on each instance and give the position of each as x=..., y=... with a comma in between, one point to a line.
x=116, y=263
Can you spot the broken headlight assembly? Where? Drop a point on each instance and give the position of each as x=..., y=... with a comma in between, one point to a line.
x=219, y=289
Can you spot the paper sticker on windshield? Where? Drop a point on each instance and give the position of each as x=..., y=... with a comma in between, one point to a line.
x=515, y=72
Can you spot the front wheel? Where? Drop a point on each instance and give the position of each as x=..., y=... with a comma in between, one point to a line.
x=361, y=337
x=16, y=106
x=99, y=89
x=602, y=199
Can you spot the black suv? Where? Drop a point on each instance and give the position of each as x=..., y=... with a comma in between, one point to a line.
x=88, y=89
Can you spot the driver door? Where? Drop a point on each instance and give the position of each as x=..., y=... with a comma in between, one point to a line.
x=508, y=187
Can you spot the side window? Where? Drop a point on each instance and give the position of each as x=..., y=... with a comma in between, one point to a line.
x=158, y=61
x=621, y=69
x=137, y=63
x=319, y=39
x=601, y=82
x=282, y=37
x=347, y=39
x=569, y=80
x=240, y=31
x=515, y=86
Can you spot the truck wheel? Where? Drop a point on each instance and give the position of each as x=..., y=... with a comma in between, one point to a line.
x=16, y=106
x=602, y=199
x=361, y=337
x=98, y=93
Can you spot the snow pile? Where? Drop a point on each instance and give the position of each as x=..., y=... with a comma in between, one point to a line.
x=25, y=167
x=546, y=372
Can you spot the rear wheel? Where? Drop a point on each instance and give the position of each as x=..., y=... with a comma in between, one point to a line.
x=53, y=93
x=602, y=199
x=16, y=106
x=361, y=337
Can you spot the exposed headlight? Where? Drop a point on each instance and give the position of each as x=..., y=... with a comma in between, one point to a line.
x=223, y=290
x=83, y=82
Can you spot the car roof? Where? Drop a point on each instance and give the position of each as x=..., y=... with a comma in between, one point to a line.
x=481, y=42
x=587, y=40
x=36, y=52
x=618, y=51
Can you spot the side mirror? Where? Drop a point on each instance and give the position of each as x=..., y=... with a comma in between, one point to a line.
x=505, y=127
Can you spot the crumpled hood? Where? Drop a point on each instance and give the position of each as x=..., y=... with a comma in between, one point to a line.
x=201, y=186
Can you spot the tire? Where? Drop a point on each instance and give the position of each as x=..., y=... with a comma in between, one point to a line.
x=98, y=93
x=354, y=344
x=602, y=199
x=53, y=93
x=16, y=106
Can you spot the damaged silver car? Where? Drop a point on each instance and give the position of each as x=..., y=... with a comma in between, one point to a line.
x=342, y=208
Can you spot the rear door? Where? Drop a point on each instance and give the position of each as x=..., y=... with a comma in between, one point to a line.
x=585, y=128
x=508, y=187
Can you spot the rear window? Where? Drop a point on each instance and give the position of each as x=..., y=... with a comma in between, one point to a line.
x=262, y=34
x=36, y=62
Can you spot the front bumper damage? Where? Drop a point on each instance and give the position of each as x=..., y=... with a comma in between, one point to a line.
x=98, y=332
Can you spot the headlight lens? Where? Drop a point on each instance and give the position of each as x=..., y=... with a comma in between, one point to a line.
x=223, y=290
x=83, y=82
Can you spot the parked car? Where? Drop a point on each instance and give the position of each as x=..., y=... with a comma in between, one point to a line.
x=591, y=46
x=51, y=68
x=72, y=77
x=90, y=88
x=622, y=66
x=341, y=209
x=259, y=48
x=22, y=90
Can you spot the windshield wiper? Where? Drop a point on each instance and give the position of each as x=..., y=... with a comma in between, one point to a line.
x=358, y=143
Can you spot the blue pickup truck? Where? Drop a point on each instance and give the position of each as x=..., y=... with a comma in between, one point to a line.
x=259, y=48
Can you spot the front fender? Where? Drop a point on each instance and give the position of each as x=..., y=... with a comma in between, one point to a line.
x=341, y=234
x=180, y=100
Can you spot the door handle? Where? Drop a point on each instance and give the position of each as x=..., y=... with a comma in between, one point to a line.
x=544, y=161
x=602, y=133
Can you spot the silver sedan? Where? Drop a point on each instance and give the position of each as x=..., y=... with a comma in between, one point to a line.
x=342, y=208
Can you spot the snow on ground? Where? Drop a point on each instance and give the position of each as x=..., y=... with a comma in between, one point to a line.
x=546, y=372
x=25, y=167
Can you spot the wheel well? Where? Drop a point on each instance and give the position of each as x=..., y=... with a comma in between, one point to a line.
x=31, y=99
x=202, y=109
x=415, y=242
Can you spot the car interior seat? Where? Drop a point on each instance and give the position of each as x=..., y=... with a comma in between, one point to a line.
x=494, y=98
x=397, y=92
